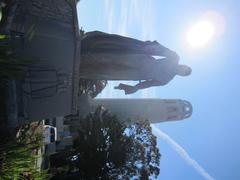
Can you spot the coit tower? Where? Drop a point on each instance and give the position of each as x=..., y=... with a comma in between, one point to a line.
x=154, y=110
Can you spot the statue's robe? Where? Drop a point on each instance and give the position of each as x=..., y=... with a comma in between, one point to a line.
x=127, y=67
x=99, y=42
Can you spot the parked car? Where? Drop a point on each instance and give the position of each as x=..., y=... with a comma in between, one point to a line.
x=49, y=134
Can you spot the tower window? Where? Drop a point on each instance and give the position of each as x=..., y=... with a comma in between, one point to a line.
x=172, y=109
x=173, y=117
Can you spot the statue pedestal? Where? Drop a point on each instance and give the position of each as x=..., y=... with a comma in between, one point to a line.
x=49, y=37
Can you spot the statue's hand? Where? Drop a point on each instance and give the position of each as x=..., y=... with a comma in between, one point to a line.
x=128, y=89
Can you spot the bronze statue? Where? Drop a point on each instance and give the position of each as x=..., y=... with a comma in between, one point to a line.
x=114, y=57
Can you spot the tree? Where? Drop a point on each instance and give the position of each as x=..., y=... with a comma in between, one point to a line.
x=108, y=149
x=92, y=87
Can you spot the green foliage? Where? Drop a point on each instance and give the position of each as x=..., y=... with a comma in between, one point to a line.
x=30, y=32
x=10, y=66
x=146, y=148
x=102, y=145
x=92, y=87
x=1, y=10
x=8, y=60
x=18, y=155
x=109, y=149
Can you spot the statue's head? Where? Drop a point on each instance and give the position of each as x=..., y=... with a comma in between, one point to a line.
x=183, y=70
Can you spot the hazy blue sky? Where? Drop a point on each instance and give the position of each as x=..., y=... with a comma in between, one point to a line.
x=211, y=135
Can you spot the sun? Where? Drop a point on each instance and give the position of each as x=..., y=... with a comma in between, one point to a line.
x=201, y=33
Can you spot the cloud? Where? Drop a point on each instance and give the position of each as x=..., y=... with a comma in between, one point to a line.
x=109, y=9
x=124, y=18
x=147, y=19
x=183, y=153
x=131, y=14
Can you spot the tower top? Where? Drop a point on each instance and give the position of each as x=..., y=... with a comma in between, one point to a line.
x=187, y=109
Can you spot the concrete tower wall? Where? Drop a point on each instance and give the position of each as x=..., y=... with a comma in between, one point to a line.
x=155, y=110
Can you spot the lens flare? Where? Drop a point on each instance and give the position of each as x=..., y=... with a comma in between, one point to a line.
x=201, y=33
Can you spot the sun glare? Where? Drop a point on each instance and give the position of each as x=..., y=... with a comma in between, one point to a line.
x=200, y=34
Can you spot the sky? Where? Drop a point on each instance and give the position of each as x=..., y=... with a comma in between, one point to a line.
x=206, y=145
